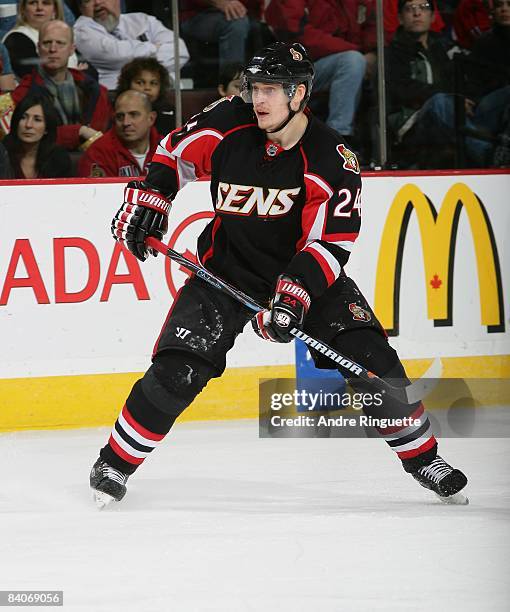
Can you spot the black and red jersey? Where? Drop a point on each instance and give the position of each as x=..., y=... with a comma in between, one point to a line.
x=294, y=211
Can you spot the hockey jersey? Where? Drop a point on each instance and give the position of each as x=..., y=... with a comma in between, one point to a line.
x=295, y=211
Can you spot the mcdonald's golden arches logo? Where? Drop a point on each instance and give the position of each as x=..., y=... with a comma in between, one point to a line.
x=438, y=233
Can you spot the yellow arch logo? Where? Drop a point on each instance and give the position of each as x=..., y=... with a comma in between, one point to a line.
x=438, y=232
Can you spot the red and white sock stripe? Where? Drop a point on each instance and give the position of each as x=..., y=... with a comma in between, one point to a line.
x=412, y=440
x=131, y=441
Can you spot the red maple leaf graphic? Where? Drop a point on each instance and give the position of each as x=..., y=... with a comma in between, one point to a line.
x=436, y=282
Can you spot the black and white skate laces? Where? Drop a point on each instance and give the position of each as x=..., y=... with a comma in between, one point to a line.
x=107, y=480
x=436, y=470
x=443, y=479
x=111, y=472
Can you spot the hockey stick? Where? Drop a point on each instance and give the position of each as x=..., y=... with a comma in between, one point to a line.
x=407, y=395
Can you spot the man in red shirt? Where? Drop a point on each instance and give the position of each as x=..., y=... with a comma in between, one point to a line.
x=127, y=148
x=82, y=105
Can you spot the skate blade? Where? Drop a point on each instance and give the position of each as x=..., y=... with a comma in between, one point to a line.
x=457, y=499
x=102, y=499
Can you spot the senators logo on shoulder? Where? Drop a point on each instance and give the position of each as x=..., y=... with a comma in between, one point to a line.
x=350, y=160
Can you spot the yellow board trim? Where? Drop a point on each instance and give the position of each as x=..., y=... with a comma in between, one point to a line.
x=65, y=402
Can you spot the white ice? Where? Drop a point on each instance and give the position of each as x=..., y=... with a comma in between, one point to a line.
x=218, y=519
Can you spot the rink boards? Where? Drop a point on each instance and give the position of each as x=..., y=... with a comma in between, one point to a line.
x=79, y=318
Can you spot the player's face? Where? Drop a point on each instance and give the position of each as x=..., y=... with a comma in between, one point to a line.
x=270, y=103
x=132, y=120
x=32, y=125
x=55, y=46
x=38, y=12
x=148, y=83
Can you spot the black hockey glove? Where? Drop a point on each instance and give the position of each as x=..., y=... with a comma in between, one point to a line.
x=289, y=306
x=144, y=213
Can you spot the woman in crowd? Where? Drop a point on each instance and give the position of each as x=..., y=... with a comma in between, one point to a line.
x=31, y=142
x=147, y=75
x=21, y=41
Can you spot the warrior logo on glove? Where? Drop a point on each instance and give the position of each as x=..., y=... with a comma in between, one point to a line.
x=144, y=213
x=288, y=310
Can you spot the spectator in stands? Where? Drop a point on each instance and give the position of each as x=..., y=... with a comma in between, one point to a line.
x=31, y=144
x=471, y=19
x=229, y=82
x=5, y=164
x=127, y=148
x=493, y=47
x=340, y=39
x=21, y=41
x=8, y=12
x=491, y=63
x=147, y=75
x=392, y=18
x=420, y=86
x=82, y=105
x=226, y=22
x=7, y=80
x=110, y=40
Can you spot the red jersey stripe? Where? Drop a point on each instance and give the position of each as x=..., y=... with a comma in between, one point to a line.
x=209, y=253
x=324, y=265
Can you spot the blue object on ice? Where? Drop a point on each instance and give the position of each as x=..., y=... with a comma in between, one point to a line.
x=312, y=380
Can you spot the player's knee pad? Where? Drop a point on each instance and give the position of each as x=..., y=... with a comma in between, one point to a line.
x=175, y=379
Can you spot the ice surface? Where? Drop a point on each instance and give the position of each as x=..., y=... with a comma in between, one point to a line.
x=218, y=519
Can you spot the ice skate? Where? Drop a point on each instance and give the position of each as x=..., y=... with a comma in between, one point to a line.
x=108, y=483
x=445, y=481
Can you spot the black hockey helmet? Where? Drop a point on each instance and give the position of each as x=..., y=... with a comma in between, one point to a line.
x=284, y=63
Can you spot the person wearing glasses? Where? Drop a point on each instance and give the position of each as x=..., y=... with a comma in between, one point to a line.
x=82, y=105
x=421, y=91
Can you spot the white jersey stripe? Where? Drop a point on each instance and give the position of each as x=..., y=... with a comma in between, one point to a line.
x=132, y=433
x=317, y=228
x=161, y=150
x=331, y=261
x=177, y=152
x=345, y=245
x=322, y=184
x=186, y=172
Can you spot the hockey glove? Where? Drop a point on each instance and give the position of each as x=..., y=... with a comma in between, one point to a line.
x=288, y=309
x=144, y=213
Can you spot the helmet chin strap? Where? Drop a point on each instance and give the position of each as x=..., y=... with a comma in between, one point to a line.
x=290, y=116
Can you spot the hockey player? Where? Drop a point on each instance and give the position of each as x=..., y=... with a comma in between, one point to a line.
x=287, y=196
